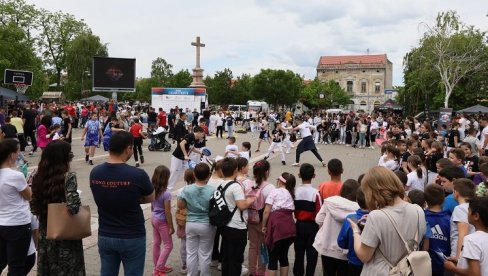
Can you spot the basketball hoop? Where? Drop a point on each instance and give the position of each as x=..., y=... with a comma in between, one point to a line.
x=21, y=88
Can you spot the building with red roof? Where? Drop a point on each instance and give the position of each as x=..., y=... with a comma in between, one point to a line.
x=367, y=78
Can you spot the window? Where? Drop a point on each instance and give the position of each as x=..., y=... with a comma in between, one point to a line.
x=377, y=103
x=363, y=87
x=377, y=87
x=363, y=103
x=349, y=86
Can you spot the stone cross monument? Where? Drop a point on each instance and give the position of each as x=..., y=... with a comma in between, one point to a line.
x=197, y=71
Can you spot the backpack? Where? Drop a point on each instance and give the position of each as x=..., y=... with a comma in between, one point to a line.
x=218, y=212
x=415, y=263
x=255, y=211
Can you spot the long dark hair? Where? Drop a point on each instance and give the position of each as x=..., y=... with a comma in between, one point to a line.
x=290, y=183
x=160, y=179
x=47, y=121
x=260, y=171
x=48, y=183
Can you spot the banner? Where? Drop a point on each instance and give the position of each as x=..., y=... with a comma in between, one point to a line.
x=445, y=117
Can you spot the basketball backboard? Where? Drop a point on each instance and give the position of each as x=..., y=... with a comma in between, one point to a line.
x=17, y=77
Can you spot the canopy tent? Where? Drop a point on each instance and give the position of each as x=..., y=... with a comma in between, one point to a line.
x=474, y=109
x=389, y=104
x=96, y=98
x=56, y=96
x=12, y=95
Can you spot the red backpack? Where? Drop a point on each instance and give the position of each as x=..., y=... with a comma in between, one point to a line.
x=255, y=211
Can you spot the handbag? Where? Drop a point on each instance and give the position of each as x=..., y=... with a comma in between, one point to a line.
x=62, y=225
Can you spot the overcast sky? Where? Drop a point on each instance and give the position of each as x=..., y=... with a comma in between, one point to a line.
x=246, y=36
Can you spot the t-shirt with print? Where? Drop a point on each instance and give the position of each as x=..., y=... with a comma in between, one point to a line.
x=197, y=202
x=14, y=209
x=380, y=233
x=92, y=128
x=117, y=190
x=460, y=214
x=280, y=198
x=233, y=193
x=158, y=206
x=475, y=247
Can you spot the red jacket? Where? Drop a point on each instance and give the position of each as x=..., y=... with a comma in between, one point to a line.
x=281, y=225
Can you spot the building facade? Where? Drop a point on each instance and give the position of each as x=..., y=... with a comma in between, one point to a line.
x=366, y=78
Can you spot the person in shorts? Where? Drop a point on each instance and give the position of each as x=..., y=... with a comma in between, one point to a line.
x=93, y=133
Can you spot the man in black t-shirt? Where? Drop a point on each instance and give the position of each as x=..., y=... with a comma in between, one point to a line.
x=29, y=115
x=152, y=117
x=181, y=155
x=180, y=128
x=9, y=130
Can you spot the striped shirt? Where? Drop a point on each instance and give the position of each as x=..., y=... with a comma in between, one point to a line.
x=307, y=202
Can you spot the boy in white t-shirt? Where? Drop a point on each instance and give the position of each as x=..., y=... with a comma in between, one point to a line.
x=464, y=190
x=473, y=260
x=231, y=150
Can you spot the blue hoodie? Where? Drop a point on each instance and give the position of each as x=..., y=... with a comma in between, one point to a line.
x=345, y=240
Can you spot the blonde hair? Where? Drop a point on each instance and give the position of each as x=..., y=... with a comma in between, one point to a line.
x=380, y=187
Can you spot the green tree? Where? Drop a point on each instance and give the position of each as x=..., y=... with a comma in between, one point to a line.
x=17, y=52
x=161, y=71
x=242, y=89
x=79, y=60
x=181, y=79
x=324, y=94
x=219, y=87
x=57, y=30
x=277, y=87
x=455, y=50
x=21, y=14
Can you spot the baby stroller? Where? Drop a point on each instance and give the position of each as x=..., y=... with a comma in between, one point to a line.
x=158, y=140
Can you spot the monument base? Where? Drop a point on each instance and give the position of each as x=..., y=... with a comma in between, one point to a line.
x=197, y=78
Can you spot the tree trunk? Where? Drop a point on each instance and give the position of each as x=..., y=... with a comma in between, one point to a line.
x=58, y=78
x=448, y=95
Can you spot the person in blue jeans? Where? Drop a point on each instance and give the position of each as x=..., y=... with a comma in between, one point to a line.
x=345, y=239
x=118, y=190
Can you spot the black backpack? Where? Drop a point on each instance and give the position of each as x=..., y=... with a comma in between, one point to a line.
x=218, y=212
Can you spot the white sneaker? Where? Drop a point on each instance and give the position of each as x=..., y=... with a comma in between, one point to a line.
x=295, y=165
x=219, y=267
x=244, y=271
x=371, y=147
x=287, y=152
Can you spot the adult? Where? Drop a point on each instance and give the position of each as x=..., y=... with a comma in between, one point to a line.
x=15, y=218
x=180, y=129
x=379, y=244
x=307, y=143
x=263, y=131
x=137, y=132
x=44, y=133
x=199, y=232
x=29, y=116
x=152, y=117
x=67, y=126
x=19, y=126
x=181, y=155
x=54, y=183
x=220, y=125
x=162, y=118
x=118, y=190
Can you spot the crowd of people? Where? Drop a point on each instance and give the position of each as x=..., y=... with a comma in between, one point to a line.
x=427, y=194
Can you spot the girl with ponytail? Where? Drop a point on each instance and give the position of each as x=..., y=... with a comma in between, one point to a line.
x=417, y=178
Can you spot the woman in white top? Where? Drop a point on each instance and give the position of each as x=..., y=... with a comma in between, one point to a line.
x=379, y=244
x=15, y=217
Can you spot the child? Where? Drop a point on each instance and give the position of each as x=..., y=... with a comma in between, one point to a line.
x=330, y=219
x=446, y=178
x=345, y=240
x=162, y=221
x=417, y=178
x=56, y=128
x=277, y=136
x=401, y=146
x=259, y=188
x=307, y=204
x=390, y=158
x=473, y=259
x=435, y=154
x=245, y=150
x=479, y=178
x=457, y=158
x=464, y=190
x=441, y=164
x=278, y=223
x=481, y=190
x=242, y=170
x=231, y=150
x=199, y=232
x=411, y=146
x=332, y=187
x=437, y=242
x=471, y=161
x=215, y=181
x=472, y=140
x=180, y=216
x=417, y=197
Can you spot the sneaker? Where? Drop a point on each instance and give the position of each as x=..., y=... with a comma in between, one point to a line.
x=219, y=267
x=87, y=158
x=265, y=158
x=90, y=162
x=295, y=165
x=142, y=159
x=324, y=163
x=137, y=165
x=287, y=152
x=256, y=150
x=283, y=162
x=244, y=271
x=158, y=273
x=167, y=269
x=184, y=270
x=371, y=147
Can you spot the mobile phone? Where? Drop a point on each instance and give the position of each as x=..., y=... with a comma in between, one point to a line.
x=440, y=254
